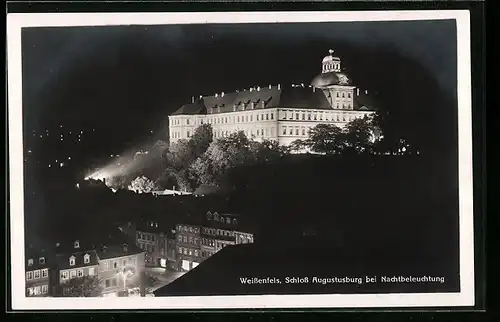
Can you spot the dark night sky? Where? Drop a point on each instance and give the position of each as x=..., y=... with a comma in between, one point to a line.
x=124, y=81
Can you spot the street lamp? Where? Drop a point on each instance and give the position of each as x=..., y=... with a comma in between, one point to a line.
x=125, y=273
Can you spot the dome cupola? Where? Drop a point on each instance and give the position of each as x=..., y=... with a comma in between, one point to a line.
x=331, y=63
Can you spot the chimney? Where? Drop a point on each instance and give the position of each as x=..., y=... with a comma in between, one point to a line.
x=251, y=89
x=258, y=88
x=173, y=188
x=201, y=97
x=302, y=84
x=366, y=92
x=216, y=95
x=125, y=248
x=279, y=87
x=357, y=91
x=222, y=94
x=270, y=86
x=314, y=89
x=104, y=248
x=192, y=99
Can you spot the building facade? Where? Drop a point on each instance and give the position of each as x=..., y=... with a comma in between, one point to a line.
x=274, y=112
x=121, y=268
x=215, y=231
x=71, y=264
x=38, y=271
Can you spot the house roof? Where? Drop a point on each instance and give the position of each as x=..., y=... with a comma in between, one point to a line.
x=303, y=97
x=63, y=259
x=41, y=257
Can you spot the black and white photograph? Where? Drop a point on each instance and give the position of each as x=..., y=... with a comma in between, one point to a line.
x=240, y=160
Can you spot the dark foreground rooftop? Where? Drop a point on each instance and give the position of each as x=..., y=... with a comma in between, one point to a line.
x=222, y=273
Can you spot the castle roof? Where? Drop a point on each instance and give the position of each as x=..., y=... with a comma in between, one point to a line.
x=303, y=97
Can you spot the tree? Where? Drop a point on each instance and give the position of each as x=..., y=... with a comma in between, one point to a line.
x=86, y=286
x=142, y=185
x=325, y=138
x=201, y=139
x=298, y=146
x=358, y=135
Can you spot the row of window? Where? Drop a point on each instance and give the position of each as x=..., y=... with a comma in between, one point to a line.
x=86, y=260
x=188, y=229
x=37, y=290
x=331, y=67
x=188, y=251
x=144, y=236
x=269, y=116
x=41, y=260
x=320, y=116
x=218, y=232
x=65, y=275
x=39, y=273
x=188, y=239
x=215, y=216
x=114, y=263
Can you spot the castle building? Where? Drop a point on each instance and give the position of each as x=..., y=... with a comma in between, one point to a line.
x=278, y=113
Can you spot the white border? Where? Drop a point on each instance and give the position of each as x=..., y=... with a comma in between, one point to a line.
x=19, y=302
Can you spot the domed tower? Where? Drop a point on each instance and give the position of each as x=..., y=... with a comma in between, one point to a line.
x=334, y=83
x=331, y=63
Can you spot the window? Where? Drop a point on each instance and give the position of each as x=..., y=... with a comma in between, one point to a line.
x=42, y=260
x=188, y=134
x=267, y=117
x=38, y=290
x=45, y=272
x=257, y=117
x=72, y=274
x=108, y=283
x=91, y=271
x=30, y=262
x=338, y=94
x=185, y=251
x=36, y=274
x=72, y=261
x=86, y=259
x=303, y=131
x=187, y=122
x=29, y=275
x=315, y=117
x=258, y=132
x=272, y=116
x=251, y=118
x=303, y=116
x=45, y=289
x=115, y=264
x=185, y=239
x=309, y=117
x=343, y=95
x=291, y=131
x=179, y=238
x=196, y=252
x=284, y=130
x=190, y=252
x=190, y=239
x=79, y=273
x=180, y=250
x=296, y=116
x=349, y=95
x=338, y=105
x=64, y=275
x=153, y=238
x=297, y=131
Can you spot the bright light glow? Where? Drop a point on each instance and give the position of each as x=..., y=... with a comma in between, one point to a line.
x=29, y=151
x=69, y=158
x=61, y=164
x=78, y=186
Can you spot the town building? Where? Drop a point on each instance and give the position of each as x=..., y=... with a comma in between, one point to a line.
x=157, y=239
x=279, y=113
x=73, y=262
x=37, y=267
x=117, y=266
x=214, y=231
x=121, y=269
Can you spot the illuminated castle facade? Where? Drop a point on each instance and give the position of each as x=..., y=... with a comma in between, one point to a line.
x=275, y=112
